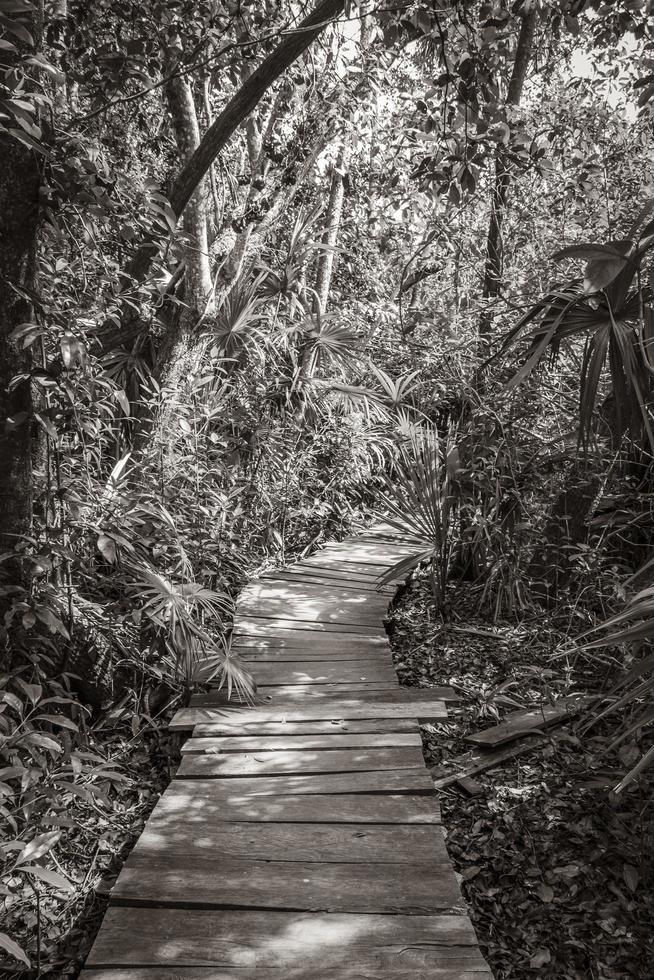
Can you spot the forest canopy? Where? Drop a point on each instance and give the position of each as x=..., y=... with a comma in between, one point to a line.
x=267, y=272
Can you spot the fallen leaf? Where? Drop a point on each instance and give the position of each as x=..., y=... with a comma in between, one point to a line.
x=631, y=876
x=540, y=958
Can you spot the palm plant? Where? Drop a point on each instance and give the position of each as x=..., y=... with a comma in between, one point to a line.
x=635, y=688
x=422, y=500
x=238, y=324
x=610, y=309
x=325, y=342
x=289, y=282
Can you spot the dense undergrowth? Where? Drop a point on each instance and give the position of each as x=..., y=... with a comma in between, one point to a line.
x=557, y=868
x=414, y=278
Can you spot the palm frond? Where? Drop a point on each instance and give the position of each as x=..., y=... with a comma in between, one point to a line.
x=421, y=500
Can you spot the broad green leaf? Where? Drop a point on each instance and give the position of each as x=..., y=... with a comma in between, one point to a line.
x=107, y=548
x=48, y=875
x=13, y=949
x=33, y=691
x=59, y=720
x=39, y=846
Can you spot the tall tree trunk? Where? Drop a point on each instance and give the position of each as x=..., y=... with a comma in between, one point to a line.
x=197, y=279
x=330, y=234
x=19, y=214
x=292, y=45
x=494, y=248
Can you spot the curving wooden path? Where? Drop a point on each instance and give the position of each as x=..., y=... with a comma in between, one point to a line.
x=301, y=837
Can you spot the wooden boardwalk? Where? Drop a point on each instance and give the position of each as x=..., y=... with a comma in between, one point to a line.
x=301, y=837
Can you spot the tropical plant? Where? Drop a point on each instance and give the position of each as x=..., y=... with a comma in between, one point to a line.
x=610, y=310
x=633, y=694
x=421, y=498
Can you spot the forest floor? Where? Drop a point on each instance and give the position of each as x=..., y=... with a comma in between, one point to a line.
x=557, y=869
x=98, y=832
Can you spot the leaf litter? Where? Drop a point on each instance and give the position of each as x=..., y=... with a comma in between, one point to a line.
x=556, y=868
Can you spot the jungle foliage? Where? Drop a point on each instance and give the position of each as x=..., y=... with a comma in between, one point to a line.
x=267, y=272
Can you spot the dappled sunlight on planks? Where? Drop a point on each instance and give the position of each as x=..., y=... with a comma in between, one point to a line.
x=301, y=837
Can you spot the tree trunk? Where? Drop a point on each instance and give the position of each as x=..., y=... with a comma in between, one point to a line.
x=494, y=248
x=330, y=234
x=293, y=44
x=197, y=279
x=19, y=212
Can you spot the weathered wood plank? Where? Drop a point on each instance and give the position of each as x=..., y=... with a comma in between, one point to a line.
x=355, y=969
x=335, y=561
x=303, y=610
x=308, y=728
x=285, y=762
x=278, y=626
x=195, y=802
x=479, y=760
x=322, y=594
x=382, y=781
x=310, y=641
x=324, y=672
x=302, y=654
x=330, y=578
x=227, y=882
x=297, y=742
x=268, y=694
x=317, y=842
x=330, y=695
x=340, y=575
x=363, y=691
x=317, y=710
x=521, y=723
x=204, y=937
x=316, y=798
x=297, y=693
x=380, y=553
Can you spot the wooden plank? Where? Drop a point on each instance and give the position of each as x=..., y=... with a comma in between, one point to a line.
x=324, y=672
x=284, y=762
x=312, y=614
x=337, y=612
x=322, y=593
x=479, y=760
x=354, y=969
x=521, y=723
x=309, y=641
x=227, y=882
x=293, y=693
x=383, y=781
x=333, y=695
x=306, y=729
x=303, y=655
x=204, y=937
x=296, y=694
x=318, y=842
x=305, y=743
x=390, y=534
x=316, y=798
x=352, y=569
x=337, y=573
x=279, y=626
x=328, y=577
x=316, y=711
x=378, y=553
x=334, y=692
x=196, y=802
